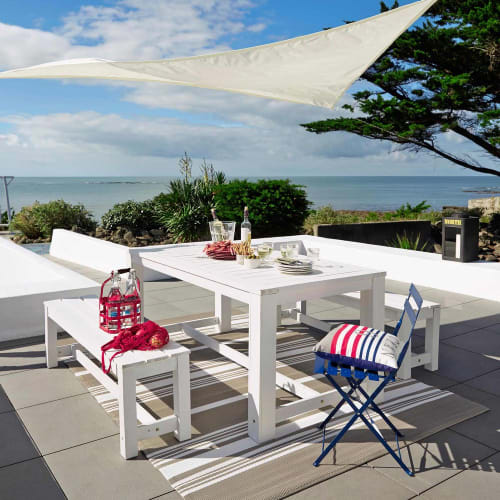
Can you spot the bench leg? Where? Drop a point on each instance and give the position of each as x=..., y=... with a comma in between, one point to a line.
x=128, y=412
x=182, y=398
x=432, y=339
x=50, y=340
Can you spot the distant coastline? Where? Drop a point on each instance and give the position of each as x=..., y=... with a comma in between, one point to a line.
x=99, y=194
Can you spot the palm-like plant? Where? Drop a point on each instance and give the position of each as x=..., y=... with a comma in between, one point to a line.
x=185, y=210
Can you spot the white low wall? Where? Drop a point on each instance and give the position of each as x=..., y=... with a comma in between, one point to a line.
x=479, y=279
x=26, y=281
x=96, y=253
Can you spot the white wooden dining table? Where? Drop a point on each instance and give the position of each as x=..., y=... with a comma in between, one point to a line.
x=266, y=290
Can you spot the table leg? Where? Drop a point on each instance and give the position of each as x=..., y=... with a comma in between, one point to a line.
x=223, y=312
x=50, y=341
x=372, y=304
x=262, y=369
x=127, y=412
x=182, y=398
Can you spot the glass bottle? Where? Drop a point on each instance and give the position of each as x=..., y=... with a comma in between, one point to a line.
x=131, y=294
x=114, y=296
x=218, y=227
x=246, y=227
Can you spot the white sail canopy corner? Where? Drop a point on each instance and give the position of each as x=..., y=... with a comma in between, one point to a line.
x=314, y=69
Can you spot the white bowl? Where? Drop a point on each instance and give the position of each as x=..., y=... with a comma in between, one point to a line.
x=252, y=263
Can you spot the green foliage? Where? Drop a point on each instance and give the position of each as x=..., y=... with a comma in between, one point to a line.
x=40, y=219
x=277, y=207
x=131, y=215
x=4, y=218
x=407, y=242
x=440, y=76
x=185, y=210
x=407, y=211
x=327, y=215
x=323, y=215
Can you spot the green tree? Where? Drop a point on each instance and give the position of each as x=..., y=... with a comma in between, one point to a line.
x=442, y=75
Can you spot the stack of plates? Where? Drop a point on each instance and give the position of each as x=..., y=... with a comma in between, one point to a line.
x=293, y=266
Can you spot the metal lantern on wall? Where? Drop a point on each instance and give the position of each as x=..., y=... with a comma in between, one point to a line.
x=460, y=238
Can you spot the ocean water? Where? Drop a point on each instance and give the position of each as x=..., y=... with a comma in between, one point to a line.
x=99, y=194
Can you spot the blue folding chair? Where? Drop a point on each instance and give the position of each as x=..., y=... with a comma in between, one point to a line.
x=356, y=370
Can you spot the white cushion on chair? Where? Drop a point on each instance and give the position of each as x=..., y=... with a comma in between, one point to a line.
x=360, y=346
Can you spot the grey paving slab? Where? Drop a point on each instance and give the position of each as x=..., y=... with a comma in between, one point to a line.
x=16, y=444
x=173, y=495
x=161, y=311
x=489, y=382
x=434, y=379
x=165, y=284
x=22, y=358
x=484, y=428
x=346, y=314
x=460, y=365
x=97, y=471
x=444, y=298
x=5, y=404
x=30, y=480
x=361, y=482
x=485, y=341
x=67, y=422
x=41, y=385
x=481, y=483
x=191, y=306
x=467, y=317
x=179, y=293
x=433, y=460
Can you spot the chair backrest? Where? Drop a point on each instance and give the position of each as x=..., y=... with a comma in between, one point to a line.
x=406, y=323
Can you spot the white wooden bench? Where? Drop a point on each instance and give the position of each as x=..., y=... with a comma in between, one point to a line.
x=79, y=318
x=393, y=309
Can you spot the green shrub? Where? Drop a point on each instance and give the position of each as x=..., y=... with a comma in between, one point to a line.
x=407, y=242
x=132, y=215
x=407, y=211
x=322, y=215
x=277, y=207
x=4, y=218
x=185, y=210
x=40, y=219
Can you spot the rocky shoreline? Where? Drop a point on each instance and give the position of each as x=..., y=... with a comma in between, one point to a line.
x=120, y=235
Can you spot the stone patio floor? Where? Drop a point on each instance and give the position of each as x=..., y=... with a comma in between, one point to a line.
x=57, y=442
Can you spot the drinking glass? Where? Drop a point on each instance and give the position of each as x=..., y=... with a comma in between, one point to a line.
x=284, y=250
x=313, y=253
x=293, y=250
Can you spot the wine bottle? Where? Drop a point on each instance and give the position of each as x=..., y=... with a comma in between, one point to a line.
x=218, y=227
x=246, y=227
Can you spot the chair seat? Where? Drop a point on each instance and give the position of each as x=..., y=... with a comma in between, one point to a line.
x=361, y=347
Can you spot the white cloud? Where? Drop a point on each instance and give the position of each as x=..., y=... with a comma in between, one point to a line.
x=130, y=29
x=243, y=135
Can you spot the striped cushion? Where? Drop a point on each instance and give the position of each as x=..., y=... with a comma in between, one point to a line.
x=361, y=347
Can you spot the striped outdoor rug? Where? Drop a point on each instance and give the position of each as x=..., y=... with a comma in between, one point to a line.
x=222, y=462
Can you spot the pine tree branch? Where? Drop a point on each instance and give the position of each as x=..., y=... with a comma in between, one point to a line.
x=476, y=140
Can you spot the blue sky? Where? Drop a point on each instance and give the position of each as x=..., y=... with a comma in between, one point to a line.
x=97, y=128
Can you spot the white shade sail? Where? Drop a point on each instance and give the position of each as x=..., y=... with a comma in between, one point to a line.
x=313, y=69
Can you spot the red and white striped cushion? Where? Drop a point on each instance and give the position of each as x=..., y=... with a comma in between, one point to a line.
x=360, y=346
